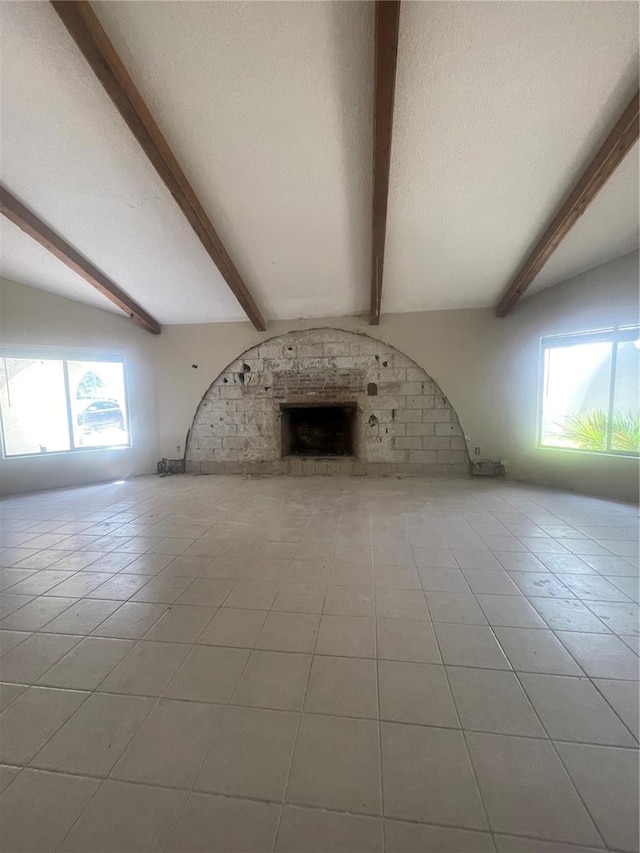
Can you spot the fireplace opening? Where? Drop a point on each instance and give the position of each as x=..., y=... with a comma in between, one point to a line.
x=318, y=429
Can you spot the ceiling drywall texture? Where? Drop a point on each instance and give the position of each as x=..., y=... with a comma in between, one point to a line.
x=499, y=108
x=68, y=156
x=23, y=260
x=268, y=108
x=608, y=229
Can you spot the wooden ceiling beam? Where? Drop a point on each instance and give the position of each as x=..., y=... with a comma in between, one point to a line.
x=621, y=139
x=386, y=53
x=41, y=233
x=87, y=32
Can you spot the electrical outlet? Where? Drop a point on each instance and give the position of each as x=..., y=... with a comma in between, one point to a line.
x=177, y=448
x=477, y=451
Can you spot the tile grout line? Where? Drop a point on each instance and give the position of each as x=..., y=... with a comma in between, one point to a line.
x=375, y=614
x=462, y=732
x=198, y=770
x=295, y=740
x=544, y=728
x=379, y=722
x=560, y=759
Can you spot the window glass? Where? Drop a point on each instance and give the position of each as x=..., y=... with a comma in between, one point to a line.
x=98, y=404
x=575, y=403
x=625, y=424
x=591, y=391
x=51, y=405
x=34, y=408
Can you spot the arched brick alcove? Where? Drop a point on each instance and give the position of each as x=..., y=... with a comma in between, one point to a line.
x=401, y=420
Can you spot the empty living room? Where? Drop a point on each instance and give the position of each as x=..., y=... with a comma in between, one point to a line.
x=319, y=426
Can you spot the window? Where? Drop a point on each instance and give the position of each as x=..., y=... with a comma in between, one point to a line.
x=51, y=405
x=591, y=391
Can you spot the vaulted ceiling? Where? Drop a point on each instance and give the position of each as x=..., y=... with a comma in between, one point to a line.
x=268, y=108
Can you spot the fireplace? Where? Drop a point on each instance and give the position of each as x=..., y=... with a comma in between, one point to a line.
x=322, y=429
x=376, y=412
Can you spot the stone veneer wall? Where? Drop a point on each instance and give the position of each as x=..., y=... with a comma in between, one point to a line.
x=405, y=423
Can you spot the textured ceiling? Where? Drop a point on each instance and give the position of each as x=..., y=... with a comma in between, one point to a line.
x=607, y=230
x=499, y=108
x=67, y=155
x=267, y=106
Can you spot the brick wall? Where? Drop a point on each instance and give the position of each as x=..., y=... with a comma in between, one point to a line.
x=405, y=423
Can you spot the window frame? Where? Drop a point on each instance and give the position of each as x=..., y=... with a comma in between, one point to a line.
x=65, y=355
x=613, y=335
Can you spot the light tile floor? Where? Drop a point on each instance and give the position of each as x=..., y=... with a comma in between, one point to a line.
x=318, y=664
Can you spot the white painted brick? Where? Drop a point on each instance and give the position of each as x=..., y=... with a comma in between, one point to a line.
x=416, y=374
x=397, y=429
x=314, y=365
x=420, y=402
x=422, y=457
x=270, y=350
x=337, y=348
x=310, y=350
x=255, y=431
x=225, y=455
x=392, y=374
x=409, y=415
x=448, y=429
x=317, y=336
x=390, y=389
x=411, y=443
x=263, y=405
x=237, y=426
x=364, y=346
x=451, y=457
x=436, y=416
x=228, y=418
x=384, y=416
x=227, y=379
x=209, y=442
x=420, y=429
x=410, y=389
x=395, y=360
x=202, y=429
x=441, y=401
x=234, y=442
x=230, y=392
x=281, y=365
x=388, y=403
x=353, y=362
x=226, y=429
x=432, y=442
x=255, y=364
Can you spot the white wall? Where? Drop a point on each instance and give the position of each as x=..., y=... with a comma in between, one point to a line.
x=488, y=367
x=33, y=317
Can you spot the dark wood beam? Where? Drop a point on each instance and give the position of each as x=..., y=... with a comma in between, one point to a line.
x=34, y=227
x=621, y=139
x=88, y=34
x=386, y=52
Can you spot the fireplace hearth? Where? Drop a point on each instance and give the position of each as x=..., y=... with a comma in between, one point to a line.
x=318, y=430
